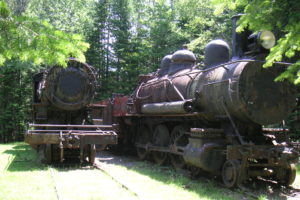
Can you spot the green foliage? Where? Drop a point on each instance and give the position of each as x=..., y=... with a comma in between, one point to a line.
x=293, y=121
x=130, y=37
x=280, y=16
x=116, y=52
x=29, y=39
x=15, y=93
x=99, y=53
x=27, y=34
x=200, y=26
x=71, y=16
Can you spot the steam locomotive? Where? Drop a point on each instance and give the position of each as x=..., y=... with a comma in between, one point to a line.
x=212, y=117
x=64, y=126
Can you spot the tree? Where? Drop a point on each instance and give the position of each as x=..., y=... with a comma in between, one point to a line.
x=26, y=42
x=29, y=39
x=71, y=16
x=198, y=23
x=99, y=53
x=15, y=99
x=281, y=16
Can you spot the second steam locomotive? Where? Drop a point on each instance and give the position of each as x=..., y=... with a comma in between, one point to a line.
x=212, y=117
x=64, y=125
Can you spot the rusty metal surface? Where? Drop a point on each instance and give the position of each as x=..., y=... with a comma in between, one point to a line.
x=207, y=156
x=70, y=88
x=40, y=111
x=70, y=126
x=275, y=155
x=71, y=138
x=177, y=107
x=61, y=108
x=232, y=100
x=101, y=112
x=247, y=90
x=120, y=106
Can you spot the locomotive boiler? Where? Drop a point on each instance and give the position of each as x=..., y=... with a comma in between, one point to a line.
x=63, y=124
x=213, y=117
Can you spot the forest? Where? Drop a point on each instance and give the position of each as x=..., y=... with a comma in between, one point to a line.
x=124, y=38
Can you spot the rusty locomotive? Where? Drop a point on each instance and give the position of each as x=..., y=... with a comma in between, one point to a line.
x=212, y=117
x=64, y=125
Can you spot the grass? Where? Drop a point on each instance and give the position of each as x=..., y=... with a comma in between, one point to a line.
x=297, y=181
x=22, y=176
x=165, y=183
x=150, y=181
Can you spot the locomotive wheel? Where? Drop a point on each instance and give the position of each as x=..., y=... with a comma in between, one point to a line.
x=231, y=173
x=55, y=153
x=160, y=138
x=143, y=138
x=178, y=139
x=160, y=158
x=290, y=176
x=48, y=153
x=177, y=161
x=92, y=153
x=195, y=172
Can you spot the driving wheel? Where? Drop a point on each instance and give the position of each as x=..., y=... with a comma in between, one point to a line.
x=290, y=175
x=178, y=139
x=144, y=137
x=231, y=173
x=161, y=138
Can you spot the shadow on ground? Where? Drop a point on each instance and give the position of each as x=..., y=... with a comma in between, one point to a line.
x=24, y=158
x=205, y=185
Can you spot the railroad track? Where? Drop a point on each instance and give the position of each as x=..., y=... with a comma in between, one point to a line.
x=255, y=189
x=55, y=184
x=118, y=181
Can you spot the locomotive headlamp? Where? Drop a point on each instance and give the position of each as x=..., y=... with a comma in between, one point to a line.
x=266, y=39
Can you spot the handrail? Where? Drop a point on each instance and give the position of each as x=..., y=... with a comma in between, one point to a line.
x=71, y=126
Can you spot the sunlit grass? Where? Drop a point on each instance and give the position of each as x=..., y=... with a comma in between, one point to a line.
x=22, y=176
x=297, y=181
x=89, y=184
